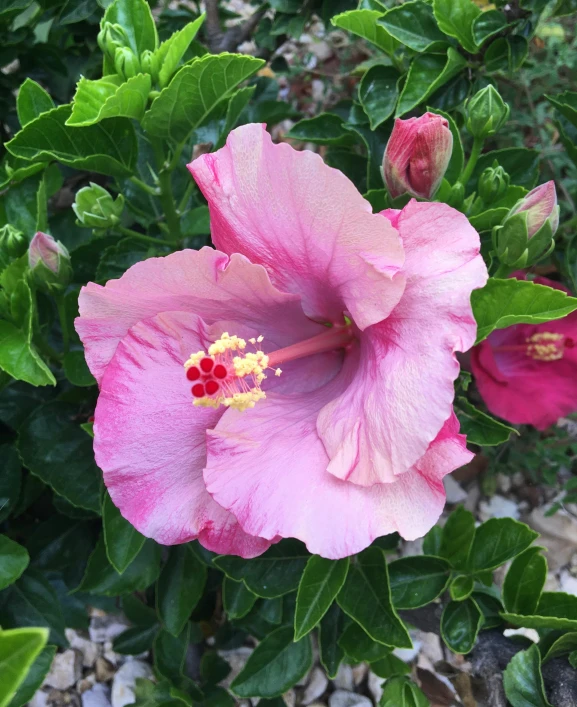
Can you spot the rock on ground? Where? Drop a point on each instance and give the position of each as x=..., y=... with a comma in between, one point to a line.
x=125, y=680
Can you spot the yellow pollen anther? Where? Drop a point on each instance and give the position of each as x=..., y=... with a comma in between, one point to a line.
x=278, y=372
x=545, y=346
x=260, y=338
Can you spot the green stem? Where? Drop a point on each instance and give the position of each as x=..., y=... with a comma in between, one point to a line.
x=502, y=272
x=472, y=163
x=140, y=236
x=166, y=197
x=186, y=196
x=61, y=307
x=153, y=191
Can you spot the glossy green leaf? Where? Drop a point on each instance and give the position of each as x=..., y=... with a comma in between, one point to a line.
x=32, y=101
x=378, y=93
x=456, y=18
x=461, y=588
x=123, y=542
x=135, y=17
x=402, y=692
x=457, y=537
x=179, y=588
x=460, y=624
x=135, y=640
x=194, y=91
x=109, y=97
x=10, y=479
x=366, y=598
x=19, y=358
x=238, y=102
x=276, y=572
x=276, y=664
x=19, y=648
x=101, y=577
x=331, y=629
x=566, y=104
x=237, y=598
x=76, y=369
x=320, y=583
x=365, y=24
x=488, y=24
x=523, y=681
x=418, y=580
x=108, y=147
x=170, y=52
x=323, y=129
x=524, y=582
x=520, y=163
x=488, y=219
x=498, y=540
x=563, y=645
x=390, y=666
x=413, y=24
x=169, y=660
x=360, y=647
x=503, y=303
x=55, y=448
x=428, y=72
x=34, y=677
x=14, y=560
x=480, y=428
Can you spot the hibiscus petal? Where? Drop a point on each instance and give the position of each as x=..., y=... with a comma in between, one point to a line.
x=403, y=391
x=206, y=282
x=149, y=439
x=268, y=466
x=305, y=222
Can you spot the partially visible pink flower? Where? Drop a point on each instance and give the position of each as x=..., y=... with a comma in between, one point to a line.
x=43, y=248
x=362, y=312
x=417, y=155
x=541, y=206
x=527, y=374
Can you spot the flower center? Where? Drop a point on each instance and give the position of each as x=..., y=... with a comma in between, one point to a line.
x=231, y=376
x=543, y=346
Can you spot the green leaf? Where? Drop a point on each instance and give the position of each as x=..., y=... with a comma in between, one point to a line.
x=237, y=599
x=169, y=660
x=278, y=571
x=135, y=17
x=498, y=540
x=461, y=588
x=55, y=448
x=566, y=104
x=34, y=678
x=566, y=643
x=101, y=577
x=14, y=560
x=323, y=129
x=365, y=24
x=123, y=542
x=109, y=97
x=170, y=52
x=457, y=537
x=109, y=147
x=488, y=219
x=418, y=580
x=320, y=583
x=136, y=640
x=503, y=303
x=19, y=649
x=524, y=582
x=457, y=156
x=413, y=24
x=360, y=647
x=331, y=629
x=76, y=369
x=523, y=681
x=390, y=666
x=19, y=358
x=460, y=624
x=378, y=93
x=10, y=480
x=402, y=692
x=276, y=664
x=32, y=601
x=456, y=18
x=366, y=598
x=480, y=428
x=180, y=588
x=32, y=101
x=488, y=24
x=428, y=72
x=194, y=91
x=556, y=610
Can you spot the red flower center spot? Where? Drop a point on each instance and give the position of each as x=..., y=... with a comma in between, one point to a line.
x=220, y=371
x=206, y=365
x=198, y=390
x=193, y=373
x=569, y=343
x=212, y=387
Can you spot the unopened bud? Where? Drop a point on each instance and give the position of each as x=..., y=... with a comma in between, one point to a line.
x=150, y=65
x=486, y=113
x=13, y=243
x=95, y=208
x=493, y=184
x=126, y=63
x=111, y=37
x=49, y=262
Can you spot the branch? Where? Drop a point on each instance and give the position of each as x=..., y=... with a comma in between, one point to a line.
x=219, y=41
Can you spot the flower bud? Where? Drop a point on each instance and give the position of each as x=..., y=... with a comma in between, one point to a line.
x=150, y=65
x=13, y=243
x=126, y=62
x=95, y=208
x=110, y=37
x=493, y=184
x=417, y=155
x=540, y=204
x=486, y=113
x=49, y=262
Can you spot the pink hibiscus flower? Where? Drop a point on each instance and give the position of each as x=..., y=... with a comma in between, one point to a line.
x=527, y=374
x=362, y=313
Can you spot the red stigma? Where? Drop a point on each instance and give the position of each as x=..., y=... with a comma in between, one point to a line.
x=211, y=387
x=569, y=343
x=220, y=371
x=206, y=365
x=198, y=390
x=193, y=373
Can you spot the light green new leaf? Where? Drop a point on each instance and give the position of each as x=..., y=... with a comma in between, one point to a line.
x=109, y=147
x=19, y=649
x=14, y=560
x=320, y=583
x=109, y=97
x=32, y=101
x=194, y=91
x=20, y=359
x=480, y=428
x=135, y=17
x=365, y=24
x=123, y=541
x=413, y=24
x=502, y=303
x=34, y=678
x=524, y=582
x=456, y=18
x=170, y=53
x=523, y=681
